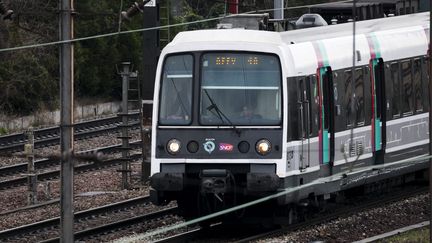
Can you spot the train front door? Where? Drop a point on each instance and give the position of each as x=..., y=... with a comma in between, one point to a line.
x=326, y=124
x=378, y=110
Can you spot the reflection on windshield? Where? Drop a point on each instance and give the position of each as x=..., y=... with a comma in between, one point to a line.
x=176, y=92
x=245, y=87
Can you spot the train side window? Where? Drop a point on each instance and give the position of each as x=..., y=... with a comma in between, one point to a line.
x=417, y=81
x=348, y=97
x=308, y=98
x=425, y=82
x=339, y=99
x=327, y=93
x=359, y=97
x=358, y=118
x=379, y=83
x=314, y=94
x=394, y=75
x=293, y=116
x=407, y=88
x=304, y=106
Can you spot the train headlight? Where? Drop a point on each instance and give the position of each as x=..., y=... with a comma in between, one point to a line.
x=173, y=146
x=263, y=146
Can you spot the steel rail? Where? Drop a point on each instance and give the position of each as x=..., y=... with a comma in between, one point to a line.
x=118, y=225
x=51, y=136
x=46, y=163
x=54, y=222
x=56, y=174
x=345, y=211
x=244, y=235
x=183, y=237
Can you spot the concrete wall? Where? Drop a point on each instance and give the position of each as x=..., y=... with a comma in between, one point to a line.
x=48, y=119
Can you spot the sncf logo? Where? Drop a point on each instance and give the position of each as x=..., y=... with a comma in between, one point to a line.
x=226, y=147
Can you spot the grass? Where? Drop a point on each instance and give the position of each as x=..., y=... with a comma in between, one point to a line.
x=3, y=131
x=417, y=235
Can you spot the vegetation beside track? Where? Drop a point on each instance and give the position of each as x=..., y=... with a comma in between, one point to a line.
x=417, y=235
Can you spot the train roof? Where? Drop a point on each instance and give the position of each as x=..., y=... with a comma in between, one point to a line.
x=339, y=6
x=299, y=36
x=362, y=27
x=227, y=35
x=335, y=5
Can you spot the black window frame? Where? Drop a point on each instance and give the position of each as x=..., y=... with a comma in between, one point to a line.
x=406, y=86
x=361, y=100
x=200, y=79
x=417, y=85
x=192, y=88
x=305, y=98
x=425, y=82
x=396, y=96
x=314, y=94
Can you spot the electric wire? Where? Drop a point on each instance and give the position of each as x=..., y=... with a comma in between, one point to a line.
x=154, y=28
x=286, y=191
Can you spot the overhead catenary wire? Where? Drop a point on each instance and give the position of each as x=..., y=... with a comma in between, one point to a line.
x=153, y=28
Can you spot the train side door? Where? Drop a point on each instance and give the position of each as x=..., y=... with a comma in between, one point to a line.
x=378, y=110
x=326, y=111
x=304, y=106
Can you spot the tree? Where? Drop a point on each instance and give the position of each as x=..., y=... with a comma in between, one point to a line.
x=28, y=77
x=31, y=76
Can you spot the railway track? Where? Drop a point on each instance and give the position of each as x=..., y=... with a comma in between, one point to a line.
x=15, y=170
x=51, y=136
x=118, y=225
x=46, y=163
x=217, y=233
x=221, y=232
x=48, y=230
x=341, y=212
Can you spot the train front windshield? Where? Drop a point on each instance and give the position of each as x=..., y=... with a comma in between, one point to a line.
x=235, y=89
x=240, y=89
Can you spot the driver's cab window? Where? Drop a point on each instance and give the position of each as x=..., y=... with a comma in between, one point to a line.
x=176, y=91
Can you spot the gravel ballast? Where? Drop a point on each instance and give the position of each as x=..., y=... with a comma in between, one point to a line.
x=364, y=224
x=106, y=184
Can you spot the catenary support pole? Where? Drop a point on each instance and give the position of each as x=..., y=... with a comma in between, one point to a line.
x=430, y=122
x=278, y=6
x=66, y=122
x=125, y=129
x=31, y=175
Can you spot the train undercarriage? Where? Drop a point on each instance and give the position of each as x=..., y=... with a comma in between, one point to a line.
x=214, y=190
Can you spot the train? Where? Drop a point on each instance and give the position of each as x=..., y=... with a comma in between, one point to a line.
x=243, y=114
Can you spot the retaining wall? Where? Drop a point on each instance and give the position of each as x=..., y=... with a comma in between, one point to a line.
x=48, y=119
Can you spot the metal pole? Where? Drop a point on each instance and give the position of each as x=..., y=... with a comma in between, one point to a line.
x=144, y=170
x=278, y=9
x=430, y=123
x=233, y=6
x=31, y=176
x=125, y=133
x=66, y=131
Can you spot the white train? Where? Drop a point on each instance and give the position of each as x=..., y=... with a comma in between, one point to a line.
x=239, y=114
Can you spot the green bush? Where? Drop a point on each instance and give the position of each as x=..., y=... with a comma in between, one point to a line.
x=3, y=131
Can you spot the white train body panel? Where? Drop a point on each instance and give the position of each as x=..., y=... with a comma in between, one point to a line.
x=301, y=54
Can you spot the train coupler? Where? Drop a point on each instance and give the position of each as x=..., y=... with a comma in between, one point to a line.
x=215, y=181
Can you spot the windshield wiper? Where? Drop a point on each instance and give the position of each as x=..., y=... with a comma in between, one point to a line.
x=220, y=114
